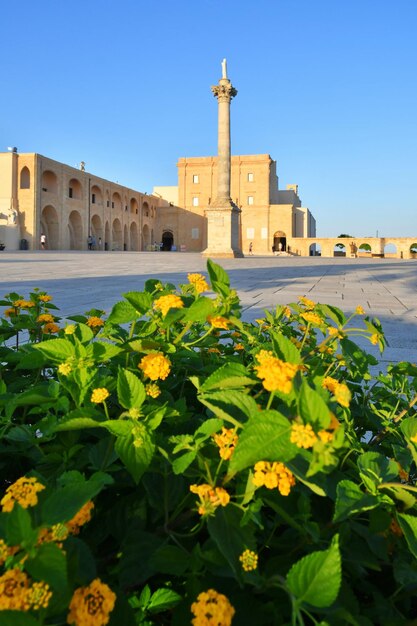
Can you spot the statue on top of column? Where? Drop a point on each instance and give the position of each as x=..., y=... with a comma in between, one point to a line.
x=224, y=68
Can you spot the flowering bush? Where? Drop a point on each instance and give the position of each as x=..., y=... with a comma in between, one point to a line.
x=172, y=464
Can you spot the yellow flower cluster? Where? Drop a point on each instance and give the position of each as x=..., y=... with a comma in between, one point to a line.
x=312, y=318
x=24, y=491
x=70, y=329
x=10, y=312
x=374, y=339
x=276, y=375
x=6, y=551
x=171, y=301
x=91, y=605
x=50, y=328
x=340, y=391
x=94, y=322
x=82, y=517
x=273, y=475
x=99, y=395
x=45, y=297
x=303, y=436
x=249, y=560
x=44, y=318
x=309, y=304
x=217, y=321
x=152, y=390
x=360, y=310
x=23, y=304
x=64, y=369
x=59, y=532
x=17, y=594
x=199, y=282
x=239, y=347
x=155, y=366
x=212, y=609
x=226, y=441
x=210, y=498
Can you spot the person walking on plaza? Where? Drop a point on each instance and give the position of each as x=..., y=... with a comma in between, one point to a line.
x=251, y=248
x=89, y=242
x=43, y=241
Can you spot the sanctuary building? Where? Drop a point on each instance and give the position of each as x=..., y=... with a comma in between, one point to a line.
x=68, y=205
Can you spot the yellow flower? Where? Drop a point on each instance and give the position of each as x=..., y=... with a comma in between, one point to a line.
x=91, y=605
x=57, y=532
x=334, y=332
x=374, y=339
x=13, y=590
x=226, y=441
x=212, y=609
x=325, y=436
x=276, y=375
x=99, y=395
x=413, y=439
x=50, y=328
x=249, y=560
x=340, y=391
x=213, y=350
x=70, y=329
x=155, y=366
x=38, y=596
x=24, y=491
x=273, y=475
x=82, y=517
x=210, y=498
x=152, y=390
x=10, y=312
x=239, y=347
x=23, y=304
x=303, y=436
x=164, y=303
x=217, y=321
x=94, y=322
x=360, y=310
x=45, y=298
x=6, y=551
x=312, y=318
x=45, y=318
x=287, y=312
x=199, y=282
x=64, y=368
x=307, y=303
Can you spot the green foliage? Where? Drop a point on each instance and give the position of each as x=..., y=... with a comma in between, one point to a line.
x=175, y=448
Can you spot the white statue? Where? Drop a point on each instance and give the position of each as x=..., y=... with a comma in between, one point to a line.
x=224, y=68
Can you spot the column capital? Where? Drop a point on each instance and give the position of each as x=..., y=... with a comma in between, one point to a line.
x=224, y=91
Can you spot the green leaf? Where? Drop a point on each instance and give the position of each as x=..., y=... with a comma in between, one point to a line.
x=265, y=437
x=65, y=501
x=230, y=537
x=77, y=423
x=181, y=463
x=141, y=301
x=285, y=349
x=351, y=500
x=316, y=578
x=170, y=560
x=228, y=376
x=312, y=408
x=84, y=333
x=408, y=525
x=19, y=526
x=199, y=310
x=219, y=278
x=49, y=564
x=56, y=350
x=162, y=600
x=122, y=313
x=333, y=313
x=208, y=428
x=130, y=390
x=17, y=618
x=377, y=467
x=136, y=451
x=101, y=351
x=230, y=405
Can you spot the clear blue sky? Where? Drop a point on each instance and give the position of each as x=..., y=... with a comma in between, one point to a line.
x=327, y=87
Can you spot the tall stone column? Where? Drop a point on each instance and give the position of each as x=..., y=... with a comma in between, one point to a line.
x=223, y=216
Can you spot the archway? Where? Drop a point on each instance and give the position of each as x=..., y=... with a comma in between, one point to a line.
x=167, y=240
x=117, y=241
x=134, y=240
x=314, y=249
x=365, y=248
x=107, y=241
x=339, y=249
x=50, y=227
x=145, y=209
x=146, y=237
x=75, y=226
x=280, y=241
x=390, y=250
x=116, y=201
x=97, y=230
x=49, y=182
x=413, y=250
x=25, y=178
x=134, y=206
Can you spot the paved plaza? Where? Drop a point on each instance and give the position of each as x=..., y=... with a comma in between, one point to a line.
x=79, y=281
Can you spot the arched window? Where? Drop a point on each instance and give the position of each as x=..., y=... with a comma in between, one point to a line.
x=25, y=178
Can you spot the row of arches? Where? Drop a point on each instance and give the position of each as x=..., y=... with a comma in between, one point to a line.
x=341, y=249
x=109, y=234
